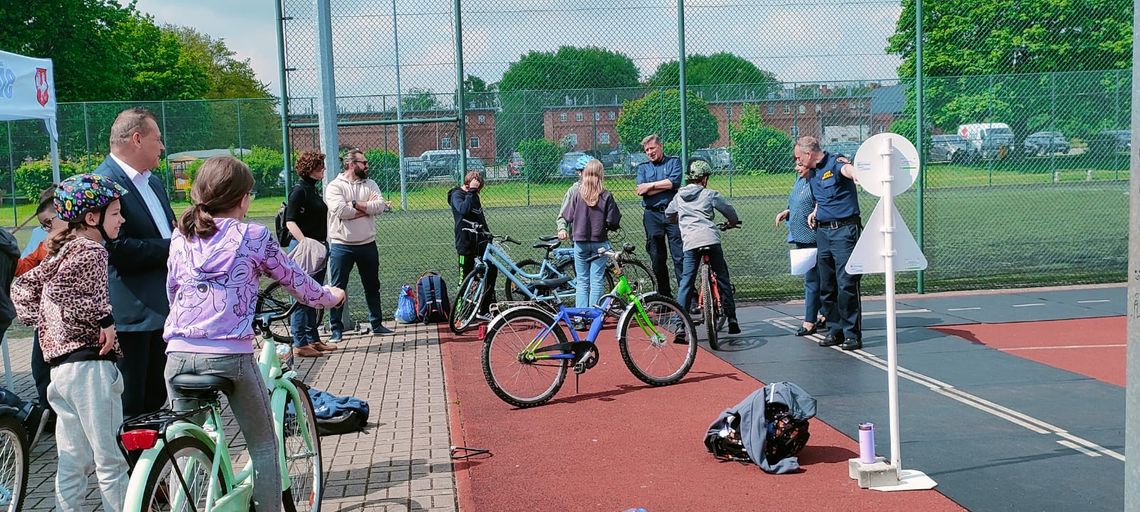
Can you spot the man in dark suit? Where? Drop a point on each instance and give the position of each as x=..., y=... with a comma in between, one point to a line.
x=138, y=259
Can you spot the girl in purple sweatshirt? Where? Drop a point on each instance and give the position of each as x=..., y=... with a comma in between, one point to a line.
x=213, y=275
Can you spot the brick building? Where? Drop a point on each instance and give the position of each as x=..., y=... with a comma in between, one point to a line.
x=417, y=137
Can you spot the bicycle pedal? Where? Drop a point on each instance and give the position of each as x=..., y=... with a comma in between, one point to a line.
x=580, y=368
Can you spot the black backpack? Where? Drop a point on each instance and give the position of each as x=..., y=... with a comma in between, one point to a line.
x=432, y=304
x=284, y=237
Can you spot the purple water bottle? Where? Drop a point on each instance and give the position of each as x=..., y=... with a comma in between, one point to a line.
x=867, y=443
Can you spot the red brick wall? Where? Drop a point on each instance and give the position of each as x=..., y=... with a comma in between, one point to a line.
x=417, y=137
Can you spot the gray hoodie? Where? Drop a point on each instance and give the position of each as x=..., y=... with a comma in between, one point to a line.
x=694, y=206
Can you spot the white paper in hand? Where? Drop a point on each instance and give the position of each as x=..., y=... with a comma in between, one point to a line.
x=802, y=260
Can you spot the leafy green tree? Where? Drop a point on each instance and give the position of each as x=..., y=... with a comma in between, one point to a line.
x=540, y=159
x=227, y=76
x=540, y=79
x=384, y=168
x=720, y=75
x=417, y=99
x=266, y=165
x=757, y=146
x=159, y=69
x=478, y=93
x=1002, y=40
x=660, y=112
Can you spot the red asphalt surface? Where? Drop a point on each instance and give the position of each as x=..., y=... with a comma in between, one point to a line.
x=1094, y=347
x=618, y=444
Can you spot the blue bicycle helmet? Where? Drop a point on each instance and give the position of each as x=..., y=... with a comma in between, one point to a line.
x=580, y=163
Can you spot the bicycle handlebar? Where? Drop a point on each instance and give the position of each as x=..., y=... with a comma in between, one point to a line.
x=487, y=234
x=725, y=226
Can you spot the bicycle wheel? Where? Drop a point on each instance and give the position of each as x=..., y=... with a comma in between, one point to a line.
x=273, y=306
x=708, y=307
x=510, y=289
x=164, y=490
x=13, y=463
x=513, y=378
x=641, y=280
x=465, y=307
x=302, y=454
x=659, y=348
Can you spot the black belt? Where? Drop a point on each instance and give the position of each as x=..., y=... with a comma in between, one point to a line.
x=658, y=209
x=835, y=224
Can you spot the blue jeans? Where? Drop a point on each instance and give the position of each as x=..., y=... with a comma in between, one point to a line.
x=367, y=258
x=591, y=278
x=838, y=289
x=691, y=263
x=813, y=305
x=303, y=320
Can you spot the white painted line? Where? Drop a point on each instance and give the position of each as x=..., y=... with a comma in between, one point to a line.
x=1081, y=449
x=1029, y=305
x=1062, y=347
x=1092, y=301
x=1016, y=417
x=897, y=311
x=963, y=309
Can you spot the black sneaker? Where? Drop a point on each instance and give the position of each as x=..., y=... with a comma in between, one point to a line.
x=382, y=331
x=831, y=340
x=851, y=344
x=733, y=327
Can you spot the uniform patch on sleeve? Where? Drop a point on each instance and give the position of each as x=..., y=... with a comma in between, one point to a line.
x=827, y=175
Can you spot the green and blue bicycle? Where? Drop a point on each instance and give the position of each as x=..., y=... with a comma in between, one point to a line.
x=185, y=465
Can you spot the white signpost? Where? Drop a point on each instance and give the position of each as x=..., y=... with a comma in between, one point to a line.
x=886, y=165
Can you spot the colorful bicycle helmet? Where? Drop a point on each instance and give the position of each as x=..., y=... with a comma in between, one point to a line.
x=83, y=193
x=580, y=163
x=697, y=170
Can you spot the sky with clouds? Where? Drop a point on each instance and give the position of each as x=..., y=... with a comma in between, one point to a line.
x=799, y=40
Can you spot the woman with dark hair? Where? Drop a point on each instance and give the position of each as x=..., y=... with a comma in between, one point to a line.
x=305, y=218
x=215, y=269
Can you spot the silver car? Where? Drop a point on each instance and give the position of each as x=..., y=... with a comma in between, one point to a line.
x=951, y=148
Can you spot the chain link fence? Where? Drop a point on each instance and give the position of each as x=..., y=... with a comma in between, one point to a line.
x=1025, y=170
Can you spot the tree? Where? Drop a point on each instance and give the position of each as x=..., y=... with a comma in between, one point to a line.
x=568, y=75
x=159, y=68
x=717, y=76
x=660, y=112
x=419, y=99
x=1003, y=38
x=228, y=77
x=540, y=158
x=756, y=146
x=479, y=94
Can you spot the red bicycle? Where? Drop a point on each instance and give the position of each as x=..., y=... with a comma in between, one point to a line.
x=708, y=293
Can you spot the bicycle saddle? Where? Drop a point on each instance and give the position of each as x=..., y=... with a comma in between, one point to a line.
x=200, y=386
x=551, y=283
x=547, y=244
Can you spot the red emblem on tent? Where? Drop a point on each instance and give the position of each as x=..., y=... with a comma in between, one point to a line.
x=42, y=89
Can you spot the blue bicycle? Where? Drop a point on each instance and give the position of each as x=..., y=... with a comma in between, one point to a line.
x=526, y=353
x=561, y=259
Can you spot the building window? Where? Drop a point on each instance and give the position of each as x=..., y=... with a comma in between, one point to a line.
x=474, y=142
x=728, y=112
x=612, y=115
x=597, y=116
x=771, y=109
x=482, y=119
x=571, y=139
x=860, y=105
x=803, y=110
x=562, y=117
x=787, y=109
x=578, y=117
x=818, y=108
x=445, y=143
x=604, y=138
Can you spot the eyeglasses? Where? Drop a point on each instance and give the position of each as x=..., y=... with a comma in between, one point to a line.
x=252, y=194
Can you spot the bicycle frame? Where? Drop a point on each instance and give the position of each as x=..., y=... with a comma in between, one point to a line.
x=171, y=425
x=496, y=256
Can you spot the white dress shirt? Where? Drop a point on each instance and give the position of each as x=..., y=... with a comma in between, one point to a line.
x=142, y=184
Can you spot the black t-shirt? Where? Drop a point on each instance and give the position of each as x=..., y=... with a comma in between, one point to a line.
x=307, y=208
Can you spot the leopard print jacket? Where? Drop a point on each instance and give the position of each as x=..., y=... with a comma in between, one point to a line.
x=66, y=298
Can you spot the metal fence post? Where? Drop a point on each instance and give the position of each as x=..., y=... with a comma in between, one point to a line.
x=919, y=128
x=12, y=175
x=241, y=145
x=86, y=132
x=682, y=91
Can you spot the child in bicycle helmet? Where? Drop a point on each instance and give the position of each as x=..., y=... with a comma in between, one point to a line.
x=694, y=207
x=213, y=275
x=65, y=297
x=593, y=213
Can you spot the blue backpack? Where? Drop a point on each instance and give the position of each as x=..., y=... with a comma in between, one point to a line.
x=432, y=304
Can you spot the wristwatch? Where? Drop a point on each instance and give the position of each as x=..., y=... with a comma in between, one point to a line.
x=354, y=204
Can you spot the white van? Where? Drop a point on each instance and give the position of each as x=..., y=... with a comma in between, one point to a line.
x=990, y=140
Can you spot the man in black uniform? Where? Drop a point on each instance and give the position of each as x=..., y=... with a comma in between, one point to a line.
x=657, y=183
x=837, y=226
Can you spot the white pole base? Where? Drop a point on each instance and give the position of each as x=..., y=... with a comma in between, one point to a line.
x=882, y=476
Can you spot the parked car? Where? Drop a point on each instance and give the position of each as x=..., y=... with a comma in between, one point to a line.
x=989, y=140
x=1045, y=143
x=951, y=148
x=569, y=160
x=636, y=159
x=1111, y=141
x=515, y=165
x=441, y=162
x=414, y=167
x=718, y=158
x=847, y=148
x=614, y=158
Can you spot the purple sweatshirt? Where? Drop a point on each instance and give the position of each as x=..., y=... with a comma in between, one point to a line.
x=212, y=285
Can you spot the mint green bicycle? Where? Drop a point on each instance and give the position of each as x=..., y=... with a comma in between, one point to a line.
x=187, y=466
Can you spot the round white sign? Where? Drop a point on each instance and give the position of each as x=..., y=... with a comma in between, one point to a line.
x=886, y=156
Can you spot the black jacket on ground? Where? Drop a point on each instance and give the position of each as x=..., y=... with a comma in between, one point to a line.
x=465, y=206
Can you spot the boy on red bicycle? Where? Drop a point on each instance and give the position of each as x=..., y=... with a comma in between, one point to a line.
x=694, y=207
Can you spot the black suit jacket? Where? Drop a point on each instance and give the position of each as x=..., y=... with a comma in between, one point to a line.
x=138, y=257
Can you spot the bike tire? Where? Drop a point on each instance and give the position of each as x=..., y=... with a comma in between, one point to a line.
x=510, y=289
x=274, y=304
x=14, y=466
x=465, y=307
x=306, y=477
x=708, y=306
x=641, y=280
x=504, y=371
x=157, y=498
x=664, y=357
